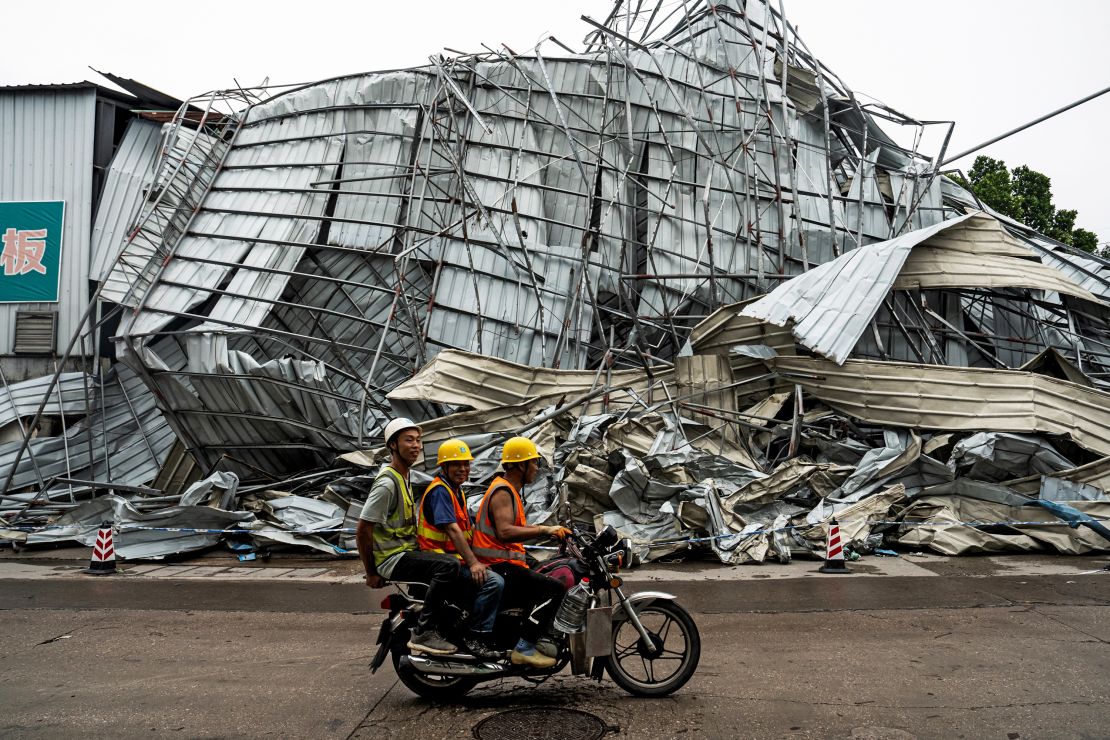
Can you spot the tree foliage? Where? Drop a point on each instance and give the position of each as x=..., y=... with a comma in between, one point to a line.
x=1025, y=195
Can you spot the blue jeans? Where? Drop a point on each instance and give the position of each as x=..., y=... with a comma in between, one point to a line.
x=486, y=600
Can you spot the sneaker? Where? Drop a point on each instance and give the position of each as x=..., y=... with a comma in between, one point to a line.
x=548, y=647
x=431, y=642
x=535, y=659
x=482, y=650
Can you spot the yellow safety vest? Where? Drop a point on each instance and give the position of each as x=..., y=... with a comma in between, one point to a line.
x=398, y=534
x=430, y=537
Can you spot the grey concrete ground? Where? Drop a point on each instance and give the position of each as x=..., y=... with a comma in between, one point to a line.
x=912, y=647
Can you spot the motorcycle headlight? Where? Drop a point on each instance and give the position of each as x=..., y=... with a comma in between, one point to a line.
x=606, y=538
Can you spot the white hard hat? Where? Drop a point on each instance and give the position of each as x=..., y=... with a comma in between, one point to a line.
x=399, y=425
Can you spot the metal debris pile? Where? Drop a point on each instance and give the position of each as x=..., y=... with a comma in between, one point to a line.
x=685, y=259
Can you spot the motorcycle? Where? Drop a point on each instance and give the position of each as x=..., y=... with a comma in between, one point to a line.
x=647, y=642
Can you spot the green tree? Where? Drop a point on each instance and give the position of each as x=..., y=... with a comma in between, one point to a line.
x=1085, y=240
x=990, y=180
x=1033, y=192
x=1026, y=195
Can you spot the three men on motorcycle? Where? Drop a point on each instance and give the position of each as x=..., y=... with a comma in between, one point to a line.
x=400, y=541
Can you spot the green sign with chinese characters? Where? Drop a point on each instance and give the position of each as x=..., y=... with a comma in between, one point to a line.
x=31, y=251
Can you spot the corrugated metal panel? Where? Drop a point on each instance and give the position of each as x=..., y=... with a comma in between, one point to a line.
x=23, y=398
x=860, y=279
x=188, y=161
x=483, y=383
x=46, y=153
x=123, y=192
x=954, y=398
x=129, y=439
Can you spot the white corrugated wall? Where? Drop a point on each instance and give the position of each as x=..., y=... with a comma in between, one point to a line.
x=46, y=153
x=123, y=192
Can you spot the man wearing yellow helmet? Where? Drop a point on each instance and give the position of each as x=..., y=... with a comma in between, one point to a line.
x=499, y=533
x=443, y=525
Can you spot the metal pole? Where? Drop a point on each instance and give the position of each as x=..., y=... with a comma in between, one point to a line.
x=1034, y=122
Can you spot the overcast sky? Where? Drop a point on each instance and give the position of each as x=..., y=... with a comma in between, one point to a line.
x=988, y=65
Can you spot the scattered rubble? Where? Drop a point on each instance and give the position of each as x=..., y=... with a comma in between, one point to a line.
x=686, y=261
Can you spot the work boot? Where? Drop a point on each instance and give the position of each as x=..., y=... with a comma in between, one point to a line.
x=431, y=642
x=548, y=647
x=533, y=658
x=481, y=648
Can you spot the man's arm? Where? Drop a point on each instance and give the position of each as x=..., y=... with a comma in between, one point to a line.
x=503, y=514
x=364, y=540
x=477, y=570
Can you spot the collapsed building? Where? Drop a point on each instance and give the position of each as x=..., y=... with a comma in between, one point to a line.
x=685, y=258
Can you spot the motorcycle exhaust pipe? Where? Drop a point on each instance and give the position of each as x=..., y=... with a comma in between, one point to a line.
x=444, y=667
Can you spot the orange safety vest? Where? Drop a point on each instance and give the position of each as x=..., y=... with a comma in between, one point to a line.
x=487, y=548
x=432, y=538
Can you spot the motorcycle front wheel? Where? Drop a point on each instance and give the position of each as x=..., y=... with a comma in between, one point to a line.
x=435, y=688
x=667, y=663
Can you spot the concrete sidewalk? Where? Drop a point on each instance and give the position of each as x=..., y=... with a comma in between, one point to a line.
x=68, y=563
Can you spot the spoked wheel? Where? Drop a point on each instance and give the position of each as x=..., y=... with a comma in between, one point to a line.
x=662, y=666
x=436, y=688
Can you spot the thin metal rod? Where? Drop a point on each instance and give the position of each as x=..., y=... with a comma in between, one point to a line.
x=1034, y=122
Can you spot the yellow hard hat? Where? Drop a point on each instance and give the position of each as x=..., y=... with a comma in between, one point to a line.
x=519, y=449
x=453, y=450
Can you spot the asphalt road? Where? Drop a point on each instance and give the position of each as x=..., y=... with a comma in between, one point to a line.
x=961, y=654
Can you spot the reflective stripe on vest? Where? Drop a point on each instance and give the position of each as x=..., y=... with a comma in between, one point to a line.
x=487, y=548
x=429, y=536
x=399, y=532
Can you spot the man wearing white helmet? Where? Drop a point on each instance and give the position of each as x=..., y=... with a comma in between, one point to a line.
x=386, y=538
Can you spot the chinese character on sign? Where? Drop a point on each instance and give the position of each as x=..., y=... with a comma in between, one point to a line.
x=23, y=251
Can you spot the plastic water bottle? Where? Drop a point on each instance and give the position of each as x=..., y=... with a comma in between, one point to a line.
x=571, y=616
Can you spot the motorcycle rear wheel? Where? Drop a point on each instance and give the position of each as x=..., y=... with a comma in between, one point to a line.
x=662, y=667
x=435, y=688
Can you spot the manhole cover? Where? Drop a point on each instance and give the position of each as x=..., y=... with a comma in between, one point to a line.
x=540, y=723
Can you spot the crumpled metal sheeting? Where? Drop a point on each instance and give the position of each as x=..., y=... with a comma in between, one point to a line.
x=799, y=479
x=637, y=494
x=997, y=456
x=855, y=519
x=304, y=514
x=125, y=426
x=1096, y=473
x=466, y=379
x=217, y=490
x=230, y=384
x=133, y=540
x=1055, y=489
x=815, y=301
x=653, y=539
x=749, y=545
x=523, y=219
x=952, y=398
x=900, y=451
x=949, y=538
x=587, y=484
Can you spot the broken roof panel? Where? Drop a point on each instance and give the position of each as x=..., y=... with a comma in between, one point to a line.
x=954, y=398
x=972, y=251
x=482, y=383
